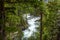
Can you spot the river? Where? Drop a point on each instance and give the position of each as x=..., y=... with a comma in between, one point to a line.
x=32, y=26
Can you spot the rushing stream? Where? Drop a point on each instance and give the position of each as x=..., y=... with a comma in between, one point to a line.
x=32, y=26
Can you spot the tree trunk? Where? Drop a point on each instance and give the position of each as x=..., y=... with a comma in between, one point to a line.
x=41, y=28
x=2, y=20
x=41, y=25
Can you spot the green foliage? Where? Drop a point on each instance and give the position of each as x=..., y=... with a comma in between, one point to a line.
x=14, y=11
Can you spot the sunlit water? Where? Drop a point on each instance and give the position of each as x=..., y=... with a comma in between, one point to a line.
x=32, y=26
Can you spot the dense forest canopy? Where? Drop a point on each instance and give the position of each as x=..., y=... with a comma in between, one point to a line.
x=12, y=22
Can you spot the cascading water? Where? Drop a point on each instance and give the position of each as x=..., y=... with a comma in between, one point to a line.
x=32, y=26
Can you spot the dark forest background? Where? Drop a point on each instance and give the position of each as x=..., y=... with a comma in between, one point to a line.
x=11, y=19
